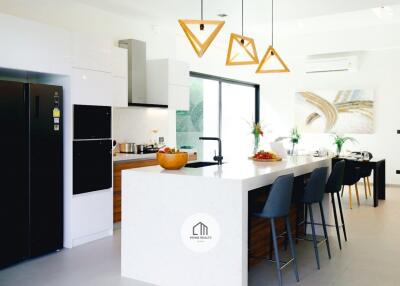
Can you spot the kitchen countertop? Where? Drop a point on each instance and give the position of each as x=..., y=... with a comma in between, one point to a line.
x=251, y=173
x=123, y=157
x=120, y=157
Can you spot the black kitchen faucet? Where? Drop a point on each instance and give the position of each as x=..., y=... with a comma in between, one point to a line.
x=219, y=157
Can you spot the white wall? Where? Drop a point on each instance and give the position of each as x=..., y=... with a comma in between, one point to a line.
x=378, y=69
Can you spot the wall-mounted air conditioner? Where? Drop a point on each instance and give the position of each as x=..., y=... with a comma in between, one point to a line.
x=333, y=64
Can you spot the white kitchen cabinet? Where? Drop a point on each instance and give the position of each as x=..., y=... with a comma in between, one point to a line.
x=92, y=216
x=91, y=52
x=119, y=92
x=31, y=46
x=178, y=73
x=119, y=63
x=178, y=97
x=91, y=87
x=119, y=87
x=168, y=83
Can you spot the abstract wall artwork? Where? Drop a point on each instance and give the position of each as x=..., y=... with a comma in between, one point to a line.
x=335, y=111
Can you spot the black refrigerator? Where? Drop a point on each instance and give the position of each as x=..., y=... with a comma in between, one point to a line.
x=31, y=177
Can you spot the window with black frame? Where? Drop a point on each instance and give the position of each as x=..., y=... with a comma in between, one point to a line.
x=219, y=107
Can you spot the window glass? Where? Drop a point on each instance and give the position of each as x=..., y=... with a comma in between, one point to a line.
x=218, y=109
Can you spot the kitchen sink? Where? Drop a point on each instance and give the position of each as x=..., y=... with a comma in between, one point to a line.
x=200, y=164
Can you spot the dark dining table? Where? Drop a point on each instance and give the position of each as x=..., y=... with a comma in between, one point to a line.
x=379, y=168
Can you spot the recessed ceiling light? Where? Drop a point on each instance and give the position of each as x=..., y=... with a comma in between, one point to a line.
x=300, y=25
x=222, y=15
x=383, y=12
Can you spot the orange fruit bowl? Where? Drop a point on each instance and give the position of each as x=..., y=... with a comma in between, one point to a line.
x=174, y=161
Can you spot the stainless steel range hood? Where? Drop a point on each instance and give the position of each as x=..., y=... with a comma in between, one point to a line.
x=137, y=78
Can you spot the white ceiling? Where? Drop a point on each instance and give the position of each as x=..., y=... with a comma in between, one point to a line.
x=256, y=11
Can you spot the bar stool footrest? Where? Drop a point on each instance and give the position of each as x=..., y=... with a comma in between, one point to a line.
x=319, y=242
x=281, y=262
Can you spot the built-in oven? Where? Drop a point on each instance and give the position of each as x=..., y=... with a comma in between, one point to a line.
x=92, y=166
x=92, y=149
x=92, y=122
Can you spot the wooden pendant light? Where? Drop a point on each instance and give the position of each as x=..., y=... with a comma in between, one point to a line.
x=245, y=54
x=247, y=48
x=263, y=66
x=199, y=46
x=270, y=55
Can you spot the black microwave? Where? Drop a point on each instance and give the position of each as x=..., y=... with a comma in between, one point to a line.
x=92, y=122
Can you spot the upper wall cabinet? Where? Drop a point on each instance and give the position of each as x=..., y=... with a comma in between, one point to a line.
x=119, y=91
x=91, y=87
x=119, y=64
x=178, y=73
x=168, y=83
x=31, y=46
x=91, y=52
x=119, y=77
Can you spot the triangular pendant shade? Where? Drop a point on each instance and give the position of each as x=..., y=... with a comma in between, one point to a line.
x=241, y=51
x=272, y=63
x=200, y=43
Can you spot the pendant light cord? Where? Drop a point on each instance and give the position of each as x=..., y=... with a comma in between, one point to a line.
x=242, y=18
x=272, y=26
x=201, y=25
x=202, y=10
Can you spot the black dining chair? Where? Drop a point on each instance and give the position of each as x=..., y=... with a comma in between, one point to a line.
x=333, y=186
x=278, y=206
x=314, y=194
x=351, y=177
x=365, y=173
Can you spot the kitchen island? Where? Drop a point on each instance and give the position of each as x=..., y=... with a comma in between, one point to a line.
x=190, y=226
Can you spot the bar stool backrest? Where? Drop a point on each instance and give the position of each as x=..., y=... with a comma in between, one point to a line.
x=280, y=197
x=335, y=181
x=315, y=189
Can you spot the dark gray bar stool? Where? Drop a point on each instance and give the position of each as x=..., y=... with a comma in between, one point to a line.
x=277, y=206
x=333, y=186
x=314, y=194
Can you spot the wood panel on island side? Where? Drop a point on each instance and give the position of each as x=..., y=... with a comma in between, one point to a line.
x=130, y=164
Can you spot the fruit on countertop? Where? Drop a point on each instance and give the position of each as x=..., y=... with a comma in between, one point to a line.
x=168, y=150
x=263, y=155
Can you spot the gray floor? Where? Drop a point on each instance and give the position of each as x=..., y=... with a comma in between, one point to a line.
x=370, y=257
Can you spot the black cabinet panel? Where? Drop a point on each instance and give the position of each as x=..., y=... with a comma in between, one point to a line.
x=14, y=179
x=92, y=122
x=92, y=166
x=46, y=165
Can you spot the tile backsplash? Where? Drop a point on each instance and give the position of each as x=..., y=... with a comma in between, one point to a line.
x=138, y=124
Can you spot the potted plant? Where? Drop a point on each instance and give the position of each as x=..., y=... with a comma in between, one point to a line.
x=339, y=141
x=257, y=132
x=294, y=138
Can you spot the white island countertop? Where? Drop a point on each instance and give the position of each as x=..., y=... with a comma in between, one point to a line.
x=190, y=226
x=253, y=174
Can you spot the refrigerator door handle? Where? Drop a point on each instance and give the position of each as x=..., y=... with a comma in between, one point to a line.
x=37, y=102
